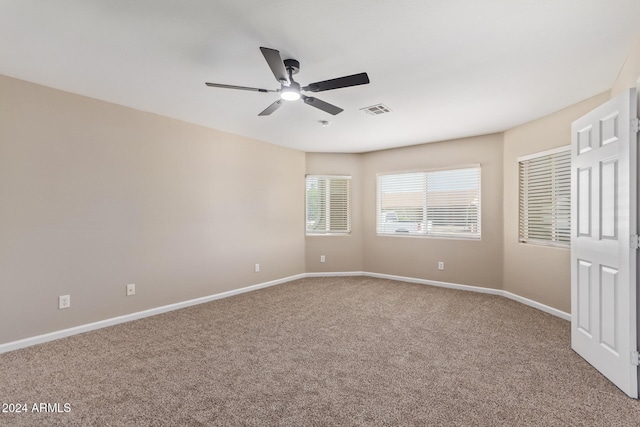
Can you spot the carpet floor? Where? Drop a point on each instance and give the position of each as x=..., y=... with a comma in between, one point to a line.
x=352, y=351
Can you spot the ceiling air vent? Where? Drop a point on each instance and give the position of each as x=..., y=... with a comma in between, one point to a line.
x=376, y=110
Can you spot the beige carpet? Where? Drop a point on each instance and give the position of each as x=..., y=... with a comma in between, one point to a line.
x=320, y=352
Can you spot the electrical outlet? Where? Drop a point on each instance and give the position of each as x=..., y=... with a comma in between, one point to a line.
x=440, y=265
x=257, y=269
x=64, y=301
x=131, y=289
x=322, y=259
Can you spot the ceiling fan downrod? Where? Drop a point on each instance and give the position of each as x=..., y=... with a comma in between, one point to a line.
x=291, y=92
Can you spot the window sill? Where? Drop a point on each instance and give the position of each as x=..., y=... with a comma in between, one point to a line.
x=546, y=245
x=427, y=236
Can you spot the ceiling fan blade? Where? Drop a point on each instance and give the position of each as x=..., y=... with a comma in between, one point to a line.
x=347, y=81
x=275, y=63
x=253, y=89
x=324, y=106
x=271, y=108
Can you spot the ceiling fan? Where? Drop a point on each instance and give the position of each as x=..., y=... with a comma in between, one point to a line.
x=290, y=90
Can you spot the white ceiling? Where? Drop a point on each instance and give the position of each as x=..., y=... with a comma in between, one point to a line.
x=447, y=68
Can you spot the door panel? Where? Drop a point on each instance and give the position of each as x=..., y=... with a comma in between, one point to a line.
x=603, y=273
x=584, y=202
x=584, y=139
x=608, y=196
x=609, y=129
x=608, y=293
x=584, y=297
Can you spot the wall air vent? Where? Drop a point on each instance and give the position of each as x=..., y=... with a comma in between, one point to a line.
x=376, y=110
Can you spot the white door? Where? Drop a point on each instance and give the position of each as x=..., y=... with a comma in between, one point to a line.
x=603, y=219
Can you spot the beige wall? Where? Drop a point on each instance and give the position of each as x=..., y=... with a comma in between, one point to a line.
x=630, y=72
x=342, y=253
x=468, y=262
x=539, y=273
x=94, y=196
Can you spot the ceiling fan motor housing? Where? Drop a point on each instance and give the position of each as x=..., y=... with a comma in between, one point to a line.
x=292, y=65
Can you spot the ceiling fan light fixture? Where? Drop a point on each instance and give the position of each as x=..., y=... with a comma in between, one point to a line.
x=290, y=93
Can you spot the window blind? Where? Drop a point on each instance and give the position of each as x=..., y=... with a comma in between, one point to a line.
x=545, y=198
x=430, y=203
x=328, y=204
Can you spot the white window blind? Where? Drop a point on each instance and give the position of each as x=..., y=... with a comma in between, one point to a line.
x=443, y=203
x=545, y=198
x=328, y=200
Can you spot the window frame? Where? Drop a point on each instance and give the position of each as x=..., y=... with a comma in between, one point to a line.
x=477, y=236
x=561, y=185
x=329, y=232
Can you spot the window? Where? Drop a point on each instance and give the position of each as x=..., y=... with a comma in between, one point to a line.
x=545, y=198
x=442, y=203
x=328, y=204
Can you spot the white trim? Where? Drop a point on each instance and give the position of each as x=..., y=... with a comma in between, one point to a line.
x=331, y=234
x=479, y=289
x=544, y=153
x=538, y=305
x=39, y=339
x=436, y=283
x=439, y=169
x=328, y=176
x=431, y=236
x=337, y=274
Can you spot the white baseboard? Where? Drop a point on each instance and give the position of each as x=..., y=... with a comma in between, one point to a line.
x=500, y=292
x=436, y=283
x=337, y=274
x=39, y=339
x=538, y=305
